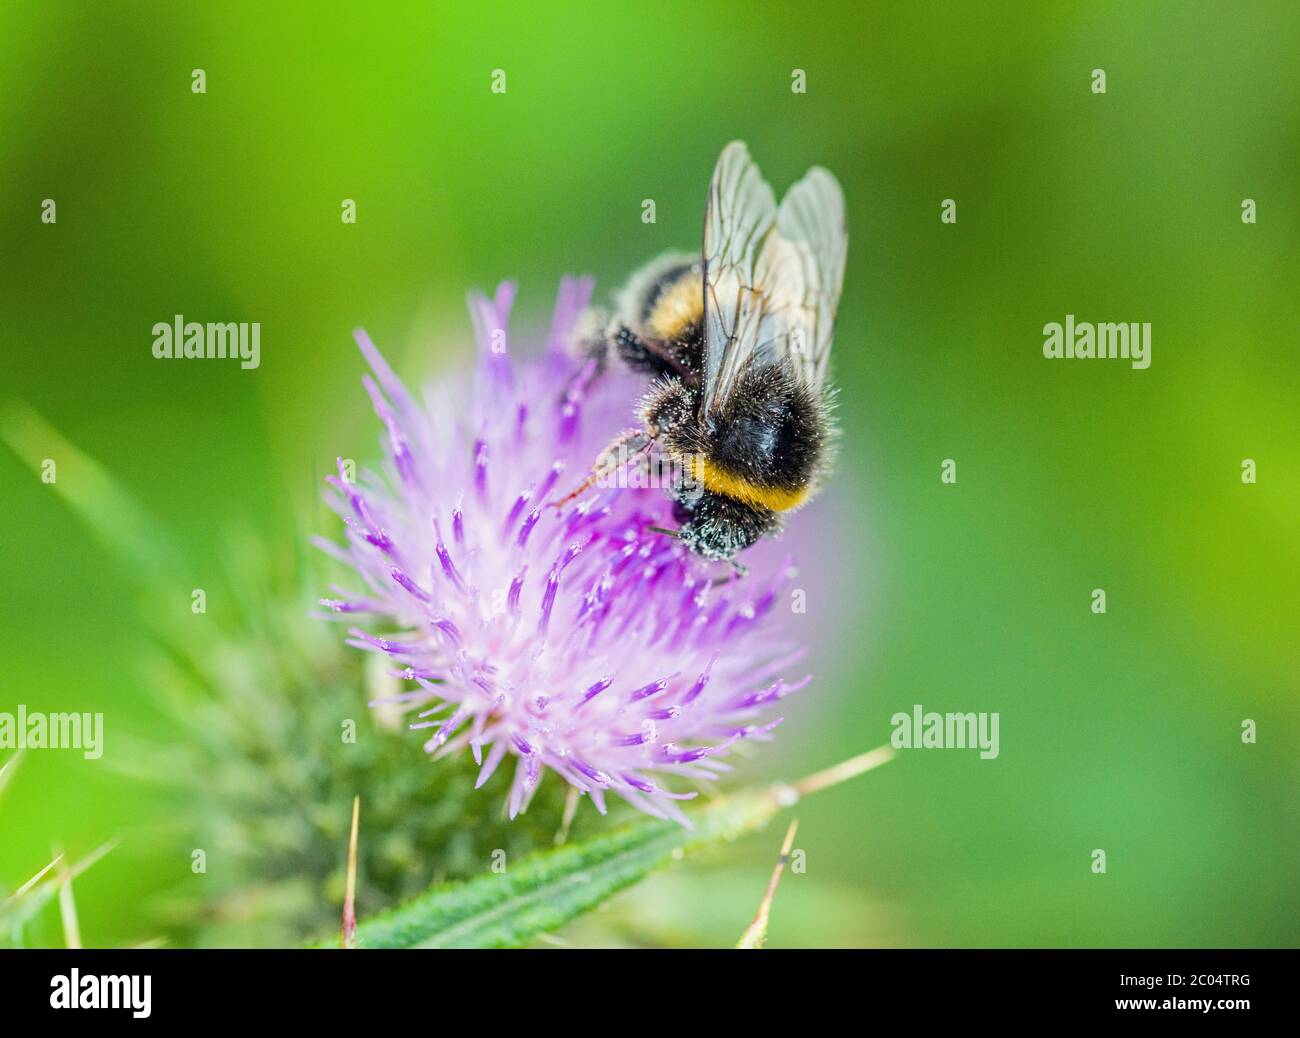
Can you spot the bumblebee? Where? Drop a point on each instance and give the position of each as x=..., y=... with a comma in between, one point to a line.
x=737, y=345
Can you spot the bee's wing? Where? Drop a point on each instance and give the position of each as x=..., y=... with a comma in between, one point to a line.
x=770, y=292
x=740, y=212
x=800, y=274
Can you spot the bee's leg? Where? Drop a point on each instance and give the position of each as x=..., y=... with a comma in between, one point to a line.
x=646, y=356
x=622, y=450
x=599, y=340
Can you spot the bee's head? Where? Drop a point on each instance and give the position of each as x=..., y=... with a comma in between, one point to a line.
x=668, y=408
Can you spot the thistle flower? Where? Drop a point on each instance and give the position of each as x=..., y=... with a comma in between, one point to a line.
x=575, y=639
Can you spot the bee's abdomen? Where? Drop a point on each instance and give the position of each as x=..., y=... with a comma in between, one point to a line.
x=676, y=311
x=719, y=527
x=768, y=446
x=718, y=479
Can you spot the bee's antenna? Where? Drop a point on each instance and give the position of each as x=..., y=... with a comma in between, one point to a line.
x=665, y=531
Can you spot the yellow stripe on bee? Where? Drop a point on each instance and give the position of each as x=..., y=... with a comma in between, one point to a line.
x=676, y=309
x=725, y=482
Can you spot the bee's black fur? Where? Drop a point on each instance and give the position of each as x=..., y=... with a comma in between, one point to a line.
x=772, y=432
x=719, y=526
x=637, y=355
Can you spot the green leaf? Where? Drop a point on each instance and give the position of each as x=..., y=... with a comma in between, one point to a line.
x=547, y=889
x=8, y=768
x=20, y=908
x=99, y=500
x=136, y=543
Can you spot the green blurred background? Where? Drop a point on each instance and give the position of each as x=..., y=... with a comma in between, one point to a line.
x=1119, y=732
